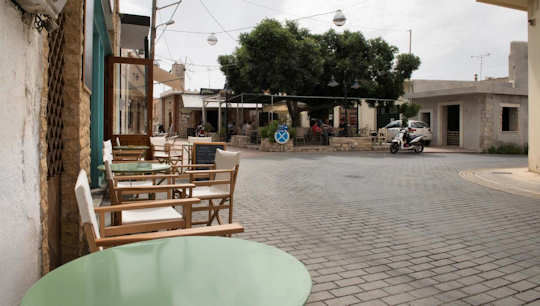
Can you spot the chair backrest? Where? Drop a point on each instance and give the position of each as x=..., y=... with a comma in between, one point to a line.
x=227, y=160
x=84, y=201
x=107, y=151
x=158, y=141
x=192, y=139
x=108, y=170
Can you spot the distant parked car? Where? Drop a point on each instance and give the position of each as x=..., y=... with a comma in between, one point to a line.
x=415, y=128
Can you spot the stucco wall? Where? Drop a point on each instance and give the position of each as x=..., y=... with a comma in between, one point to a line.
x=534, y=87
x=367, y=116
x=21, y=83
x=497, y=103
x=481, y=119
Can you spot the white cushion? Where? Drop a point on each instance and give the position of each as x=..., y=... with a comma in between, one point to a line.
x=192, y=139
x=107, y=151
x=202, y=192
x=157, y=141
x=134, y=183
x=150, y=214
x=225, y=160
x=84, y=201
x=161, y=154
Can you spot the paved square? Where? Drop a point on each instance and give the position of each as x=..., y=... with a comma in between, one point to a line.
x=381, y=229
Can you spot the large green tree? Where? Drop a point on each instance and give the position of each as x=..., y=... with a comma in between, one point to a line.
x=284, y=58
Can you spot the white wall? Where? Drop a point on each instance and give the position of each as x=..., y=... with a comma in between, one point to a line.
x=20, y=94
x=534, y=88
x=367, y=116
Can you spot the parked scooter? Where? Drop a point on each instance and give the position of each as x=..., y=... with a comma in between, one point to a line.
x=413, y=143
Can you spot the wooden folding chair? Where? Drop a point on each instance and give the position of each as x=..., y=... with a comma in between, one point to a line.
x=120, y=186
x=100, y=236
x=219, y=186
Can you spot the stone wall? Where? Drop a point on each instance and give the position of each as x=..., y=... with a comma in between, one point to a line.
x=21, y=85
x=346, y=144
x=76, y=134
x=239, y=141
x=267, y=146
x=337, y=144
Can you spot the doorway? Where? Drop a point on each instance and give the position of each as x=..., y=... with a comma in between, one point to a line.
x=452, y=125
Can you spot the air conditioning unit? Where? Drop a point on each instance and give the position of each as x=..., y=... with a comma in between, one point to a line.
x=46, y=7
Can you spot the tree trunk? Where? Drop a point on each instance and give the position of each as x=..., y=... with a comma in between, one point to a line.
x=292, y=107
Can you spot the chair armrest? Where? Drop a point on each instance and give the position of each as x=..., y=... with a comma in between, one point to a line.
x=212, y=182
x=146, y=204
x=133, y=161
x=197, y=166
x=123, y=151
x=144, y=177
x=210, y=171
x=153, y=188
x=214, y=230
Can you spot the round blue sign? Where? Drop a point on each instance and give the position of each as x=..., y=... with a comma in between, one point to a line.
x=282, y=136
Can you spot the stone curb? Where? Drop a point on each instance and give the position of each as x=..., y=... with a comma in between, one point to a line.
x=474, y=177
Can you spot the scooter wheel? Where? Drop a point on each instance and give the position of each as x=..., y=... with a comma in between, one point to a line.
x=419, y=148
x=394, y=148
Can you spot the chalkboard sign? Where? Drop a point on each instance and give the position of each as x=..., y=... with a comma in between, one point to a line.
x=205, y=152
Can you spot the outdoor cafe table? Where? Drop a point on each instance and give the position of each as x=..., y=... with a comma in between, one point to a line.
x=137, y=167
x=190, y=271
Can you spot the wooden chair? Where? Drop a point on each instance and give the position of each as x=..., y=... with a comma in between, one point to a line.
x=128, y=155
x=300, y=135
x=220, y=185
x=120, y=155
x=158, y=148
x=156, y=218
x=100, y=236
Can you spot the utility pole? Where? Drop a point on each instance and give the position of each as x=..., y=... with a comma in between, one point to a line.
x=481, y=57
x=153, y=30
x=410, y=41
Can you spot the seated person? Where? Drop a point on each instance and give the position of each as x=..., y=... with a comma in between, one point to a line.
x=316, y=128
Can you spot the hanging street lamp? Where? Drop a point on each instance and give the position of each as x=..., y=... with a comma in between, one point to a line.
x=212, y=39
x=339, y=18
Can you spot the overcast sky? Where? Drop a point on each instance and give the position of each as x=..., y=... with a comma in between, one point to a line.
x=446, y=33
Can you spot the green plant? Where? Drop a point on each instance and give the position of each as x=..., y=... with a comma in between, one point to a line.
x=408, y=110
x=508, y=149
x=269, y=131
x=209, y=128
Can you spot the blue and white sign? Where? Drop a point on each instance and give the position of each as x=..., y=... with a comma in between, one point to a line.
x=282, y=135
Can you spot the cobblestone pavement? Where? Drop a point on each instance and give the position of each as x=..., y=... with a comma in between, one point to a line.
x=376, y=229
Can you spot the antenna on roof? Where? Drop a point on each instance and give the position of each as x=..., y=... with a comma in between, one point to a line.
x=481, y=57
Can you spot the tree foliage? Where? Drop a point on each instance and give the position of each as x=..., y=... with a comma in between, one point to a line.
x=284, y=58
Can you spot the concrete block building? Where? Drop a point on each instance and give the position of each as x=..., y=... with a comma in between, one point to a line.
x=532, y=13
x=476, y=115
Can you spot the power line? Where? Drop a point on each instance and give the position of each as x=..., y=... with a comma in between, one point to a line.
x=172, y=16
x=215, y=19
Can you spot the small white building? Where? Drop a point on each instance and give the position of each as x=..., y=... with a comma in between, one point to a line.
x=476, y=115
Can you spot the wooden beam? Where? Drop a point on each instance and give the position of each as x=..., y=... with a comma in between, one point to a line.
x=513, y=4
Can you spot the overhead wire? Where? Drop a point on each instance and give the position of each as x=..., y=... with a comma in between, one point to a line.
x=170, y=18
x=217, y=21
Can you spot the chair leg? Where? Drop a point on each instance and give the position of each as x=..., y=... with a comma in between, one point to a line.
x=230, y=209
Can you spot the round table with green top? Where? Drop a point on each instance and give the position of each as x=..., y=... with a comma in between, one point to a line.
x=190, y=271
x=137, y=167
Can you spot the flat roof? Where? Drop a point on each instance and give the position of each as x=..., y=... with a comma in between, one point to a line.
x=495, y=90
